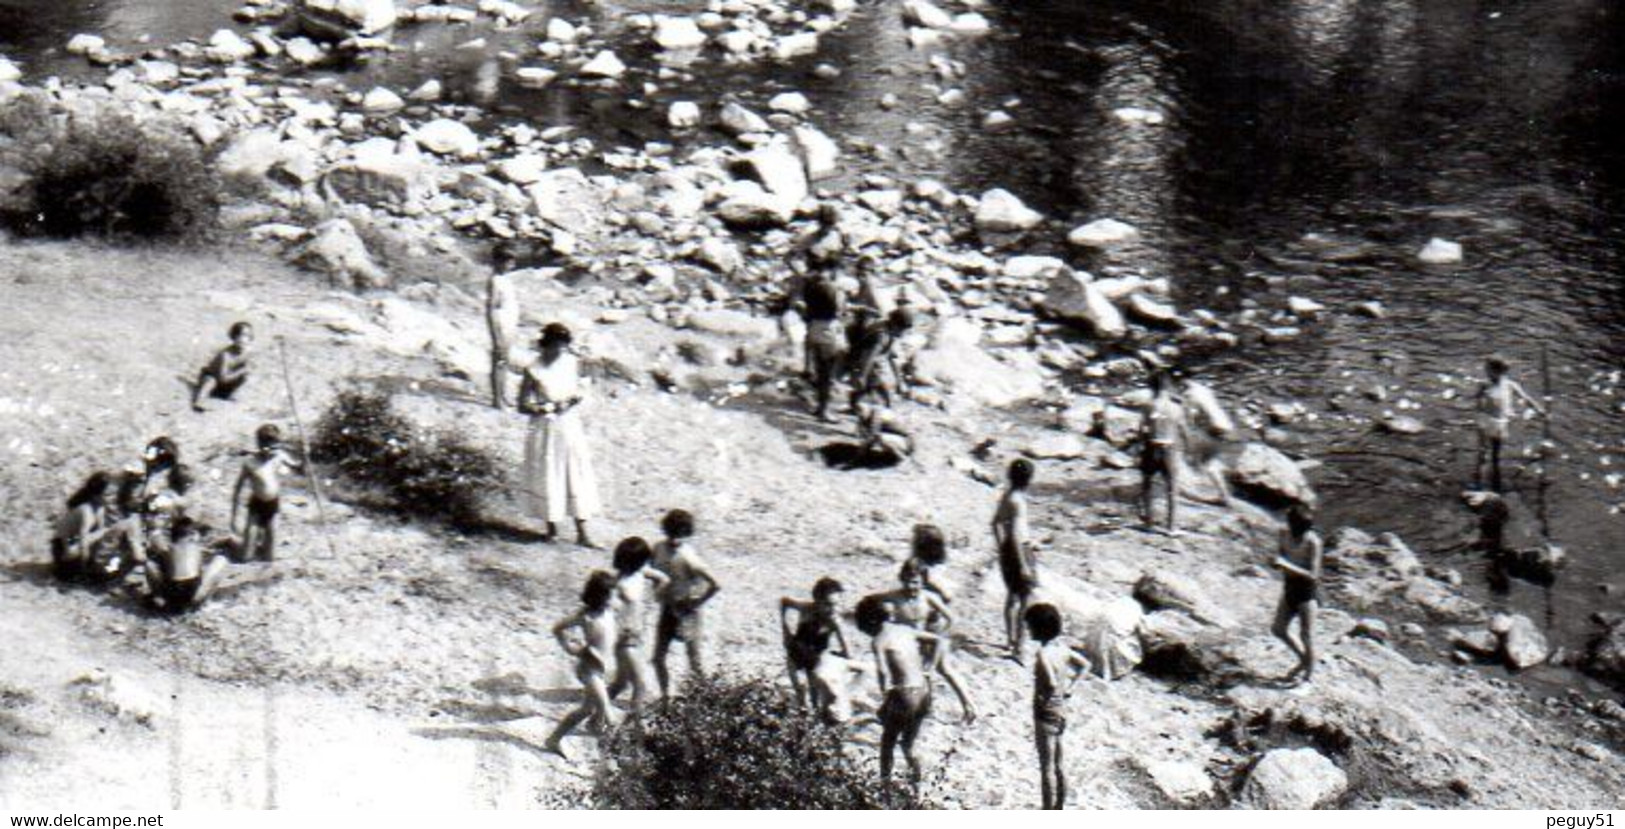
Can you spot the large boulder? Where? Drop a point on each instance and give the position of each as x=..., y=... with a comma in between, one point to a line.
x=1166, y=590
x=1293, y=778
x=565, y=198
x=1442, y=602
x=1001, y=211
x=337, y=250
x=1264, y=473
x=1522, y=643
x=955, y=359
x=819, y=153
x=1072, y=296
x=376, y=174
x=339, y=19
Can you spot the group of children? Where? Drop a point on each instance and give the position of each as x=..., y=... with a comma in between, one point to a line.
x=141, y=518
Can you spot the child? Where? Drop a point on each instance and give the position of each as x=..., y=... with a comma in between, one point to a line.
x=228, y=371
x=1495, y=399
x=1299, y=562
x=262, y=475
x=904, y=678
x=180, y=576
x=78, y=529
x=1016, y=563
x=633, y=579
x=805, y=645
x=690, y=585
x=1163, y=431
x=502, y=318
x=874, y=367
x=928, y=549
x=821, y=307
x=884, y=438
x=596, y=622
x=927, y=612
x=1056, y=668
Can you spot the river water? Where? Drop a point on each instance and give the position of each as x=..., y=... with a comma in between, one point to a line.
x=1304, y=147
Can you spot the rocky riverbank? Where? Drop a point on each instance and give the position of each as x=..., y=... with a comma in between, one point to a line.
x=422, y=654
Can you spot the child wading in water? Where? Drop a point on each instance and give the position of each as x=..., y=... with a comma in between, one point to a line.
x=595, y=621
x=228, y=371
x=1495, y=400
x=1016, y=563
x=817, y=629
x=262, y=477
x=1299, y=561
x=690, y=585
x=905, y=681
x=1056, y=669
x=634, y=578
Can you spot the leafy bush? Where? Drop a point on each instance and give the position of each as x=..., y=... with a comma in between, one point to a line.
x=91, y=168
x=436, y=474
x=737, y=744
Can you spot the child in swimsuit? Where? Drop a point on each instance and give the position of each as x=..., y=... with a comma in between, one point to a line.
x=595, y=621
x=805, y=646
x=1016, y=562
x=76, y=532
x=1056, y=669
x=180, y=575
x=634, y=578
x=690, y=585
x=1164, y=433
x=228, y=371
x=262, y=476
x=927, y=612
x=1299, y=561
x=1496, y=400
x=904, y=677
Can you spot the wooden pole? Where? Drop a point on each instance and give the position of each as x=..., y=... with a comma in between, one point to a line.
x=304, y=447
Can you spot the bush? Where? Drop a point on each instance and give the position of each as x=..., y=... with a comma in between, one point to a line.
x=737, y=744
x=436, y=474
x=91, y=168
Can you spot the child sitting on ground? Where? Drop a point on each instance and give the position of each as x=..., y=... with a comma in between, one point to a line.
x=228, y=371
x=180, y=574
x=78, y=529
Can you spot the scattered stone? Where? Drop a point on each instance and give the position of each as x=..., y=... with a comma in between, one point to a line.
x=1304, y=307
x=1522, y=645
x=1264, y=470
x=534, y=77
x=380, y=100
x=1480, y=644
x=677, y=33
x=447, y=137
x=955, y=359
x=1184, y=783
x=795, y=46
x=526, y=168
x=303, y=51
x=1374, y=629
x=1293, y=778
x=337, y=250
x=83, y=44
x=740, y=121
x=1166, y=590
x=1402, y=424
x=1102, y=233
x=225, y=46
x=9, y=71
x=819, y=153
x=116, y=697
x=1439, y=252
x=427, y=92
x=1000, y=211
x=1371, y=308
x=793, y=103
x=970, y=23
x=337, y=19
x=560, y=30
x=924, y=13
x=1073, y=296
x=720, y=255
x=683, y=115
x=1442, y=603
x=1137, y=115
x=605, y=64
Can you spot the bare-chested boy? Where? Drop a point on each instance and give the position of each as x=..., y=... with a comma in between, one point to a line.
x=1016, y=562
x=1056, y=669
x=595, y=623
x=180, y=574
x=817, y=633
x=683, y=600
x=634, y=578
x=927, y=612
x=262, y=477
x=1496, y=402
x=1299, y=561
x=1163, y=432
x=502, y=318
x=228, y=371
x=905, y=681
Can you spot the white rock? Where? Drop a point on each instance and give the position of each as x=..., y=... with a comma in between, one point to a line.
x=534, y=77
x=778, y=170
x=683, y=115
x=447, y=137
x=9, y=71
x=997, y=119
x=1303, y=306
x=720, y=255
x=379, y=99
x=819, y=153
x=430, y=90
x=605, y=64
x=1439, y=252
x=157, y=71
x=794, y=103
x=1136, y=115
x=1184, y=783
x=365, y=17
x=1293, y=778
x=337, y=250
x=303, y=51
x=83, y=44
x=560, y=30
x=522, y=169
x=969, y=23
x=1029, y=267
x=1000, y=211
x=1102, y=233
x=739, y=120
x=924, y=13
x=677, y=33
x=746, y=204
x=955, y=359
x=226, y=47
x=1264, y=468
x=1073, y=296
x=795, y=46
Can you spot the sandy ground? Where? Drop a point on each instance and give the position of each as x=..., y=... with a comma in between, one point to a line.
x=414, y=666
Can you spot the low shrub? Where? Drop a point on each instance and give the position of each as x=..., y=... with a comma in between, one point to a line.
x=90, y=167
x=733, y=743
x=424, y=473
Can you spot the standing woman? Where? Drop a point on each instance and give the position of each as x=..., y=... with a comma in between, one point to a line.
x=559, y=480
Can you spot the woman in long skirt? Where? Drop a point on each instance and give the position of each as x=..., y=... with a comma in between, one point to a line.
x=559, y=480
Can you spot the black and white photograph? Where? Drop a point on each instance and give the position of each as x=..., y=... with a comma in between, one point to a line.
x=440, y=406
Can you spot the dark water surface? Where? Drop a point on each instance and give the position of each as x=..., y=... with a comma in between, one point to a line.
x=1306, y=147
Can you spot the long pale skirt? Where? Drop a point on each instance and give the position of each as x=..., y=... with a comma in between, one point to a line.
x=559, y=480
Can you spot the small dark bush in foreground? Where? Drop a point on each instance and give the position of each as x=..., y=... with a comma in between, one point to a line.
x=92, y=169
x=435, y=474
x=737, y=744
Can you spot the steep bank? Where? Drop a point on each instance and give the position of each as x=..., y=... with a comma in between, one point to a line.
x=416, y=652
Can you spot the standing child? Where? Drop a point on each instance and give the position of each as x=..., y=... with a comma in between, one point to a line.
x=1496, y=399
x=633, y=578
x=805, y=646
x=228, y=371
x=595, y=621
x=502, y=318
x=1016, y=562
x=262, y=477
x=821, y=307
x=1299, y=561
x=1056, y=669
x=905, y=681
x=690, y=586
x=1163, y=432
x=927, y=612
